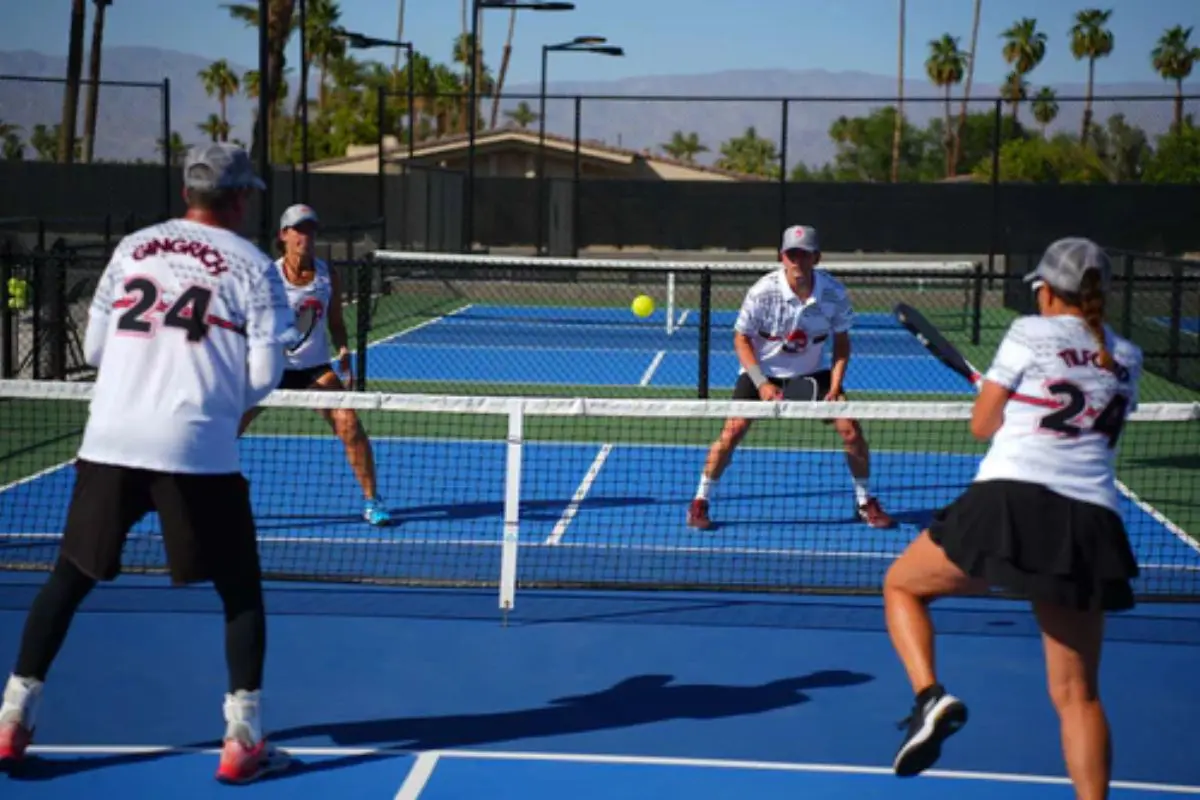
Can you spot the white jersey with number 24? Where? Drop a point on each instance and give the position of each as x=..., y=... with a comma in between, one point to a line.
x=180, y=305
x=1064, y=435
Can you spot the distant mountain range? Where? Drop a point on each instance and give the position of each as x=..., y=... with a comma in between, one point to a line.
x=130, y=119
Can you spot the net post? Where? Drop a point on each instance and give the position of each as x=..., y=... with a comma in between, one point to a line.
x=512, y=508
x=705, y=333
x=977, y=302
x=670, y=302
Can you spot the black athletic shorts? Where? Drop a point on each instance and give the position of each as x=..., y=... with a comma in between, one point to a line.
x=745, y=389
x=207, y=525
x=302, y=379
x=1039, y=544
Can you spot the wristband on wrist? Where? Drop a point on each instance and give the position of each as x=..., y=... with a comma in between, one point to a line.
x=756, y=375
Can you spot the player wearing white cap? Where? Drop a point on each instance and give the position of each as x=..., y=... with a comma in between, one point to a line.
x=784, y=322
x=187, y=328
x=1041, y=518
x=314, y=292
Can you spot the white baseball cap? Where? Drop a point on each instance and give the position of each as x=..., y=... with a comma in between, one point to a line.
x=297, y=214
x=800, y=237
x=1066, y=261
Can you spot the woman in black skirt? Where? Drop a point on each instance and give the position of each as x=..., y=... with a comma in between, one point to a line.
x=1040, y=518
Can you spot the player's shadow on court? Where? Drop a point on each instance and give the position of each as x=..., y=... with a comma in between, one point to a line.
x=550, y=510
x=635, y=701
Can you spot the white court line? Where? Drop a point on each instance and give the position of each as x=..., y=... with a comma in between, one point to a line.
x=418, y=326
x=39, y=474
x=682, y=317
x=1159, y=517
x=650, y=370
x=581, y=491
x=418, y=777
x=589, y=758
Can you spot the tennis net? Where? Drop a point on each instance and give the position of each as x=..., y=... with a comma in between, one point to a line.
x=509, y=492
x=540, y=322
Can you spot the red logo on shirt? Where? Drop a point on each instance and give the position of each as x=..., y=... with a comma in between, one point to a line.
x=210, y=257
x=796, y=341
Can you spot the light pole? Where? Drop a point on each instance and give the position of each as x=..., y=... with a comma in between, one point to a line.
x=468, y=221
x=360, y=42
x=580, y=44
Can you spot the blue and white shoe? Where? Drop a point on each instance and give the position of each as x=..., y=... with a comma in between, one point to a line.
x=376, y=513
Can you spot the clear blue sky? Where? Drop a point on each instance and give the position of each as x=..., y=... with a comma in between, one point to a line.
x=660, y=36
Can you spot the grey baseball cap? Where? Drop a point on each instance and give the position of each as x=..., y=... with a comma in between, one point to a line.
x=1066, y=261
x=800, y=237
x=295, y=215
x=214, y=166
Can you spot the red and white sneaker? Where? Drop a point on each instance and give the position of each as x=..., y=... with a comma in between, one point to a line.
x=697, y=516
x=241, y=763
x=17, y=712
x=14, y=741
x=873, y=514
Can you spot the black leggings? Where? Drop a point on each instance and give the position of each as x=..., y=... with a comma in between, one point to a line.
x=55, y=606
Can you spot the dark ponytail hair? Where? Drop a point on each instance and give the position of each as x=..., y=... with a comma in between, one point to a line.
x=1091, y=303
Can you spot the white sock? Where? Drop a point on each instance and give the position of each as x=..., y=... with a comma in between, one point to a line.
x=21, y=697
x=861, y=493
x=242, y=717
x=706, y=484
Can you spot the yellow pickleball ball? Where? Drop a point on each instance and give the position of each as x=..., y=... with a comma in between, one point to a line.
x=643, y=305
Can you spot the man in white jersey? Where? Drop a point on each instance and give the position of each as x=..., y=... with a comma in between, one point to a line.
x=314, y=292
x=186, y=329
x=1041, y=518
x=784, y=323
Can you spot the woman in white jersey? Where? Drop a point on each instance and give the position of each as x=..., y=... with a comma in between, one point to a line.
x=313, y=287
x=1040, y=518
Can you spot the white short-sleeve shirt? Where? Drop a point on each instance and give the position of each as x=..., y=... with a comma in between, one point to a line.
x=181, y=304
x=315, y=294
x=1065, y=436
x=789, y=334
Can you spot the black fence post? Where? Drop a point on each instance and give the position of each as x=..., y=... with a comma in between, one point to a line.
x=705, y=333
x=166, y=134
x=7, y=341
x=977, y=303
x=381, y=189
x=576, y=178
x=362, y=320
x=994, y=235
x=1174, y=346
x=783, y=154
x=1127, y=317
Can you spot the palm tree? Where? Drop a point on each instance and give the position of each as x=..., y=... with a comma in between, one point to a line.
x=1090, y=40
x=1045, y=107
x=1014, y=91
x=13, y=149
x=217, y=130
x=93, y=95
x=399, y=38
x=898, y=131
x=1173, y=59
x=281, y=23
x=1024, y=49
x=512, y=27
x=684, y=147
x=70, y=106
x=178, y=148
x=962, y=113
x=945, y=67
x=523, y=115
x=221, y=81
x=323, y=17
